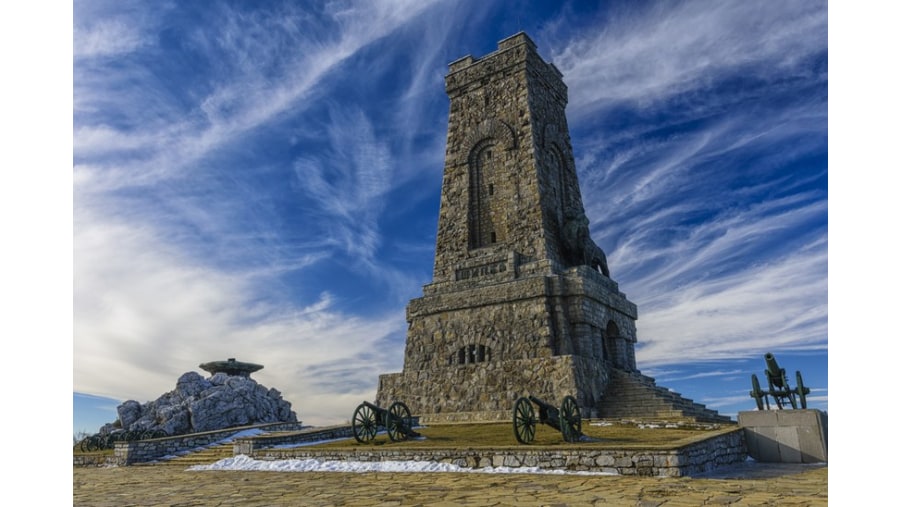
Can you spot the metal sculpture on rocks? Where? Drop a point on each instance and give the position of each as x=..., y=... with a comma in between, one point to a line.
x=396, y=420
x=566, y=419
x=779, y=389
x=231, y=367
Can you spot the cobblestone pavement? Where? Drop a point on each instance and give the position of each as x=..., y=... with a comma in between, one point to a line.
x=171, y=486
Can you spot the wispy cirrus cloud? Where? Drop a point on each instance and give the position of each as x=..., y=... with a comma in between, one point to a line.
x=684, y=118
x=346, y=184
x=645, y=54
x=261, y=65
x=263, y=182
x=107, y=38
x=145, y=311
x=191, y=240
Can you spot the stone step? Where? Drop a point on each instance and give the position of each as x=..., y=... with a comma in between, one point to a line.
x=636, y=395
x=202, y=456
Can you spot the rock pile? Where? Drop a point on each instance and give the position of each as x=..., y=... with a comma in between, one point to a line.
x=205, y=404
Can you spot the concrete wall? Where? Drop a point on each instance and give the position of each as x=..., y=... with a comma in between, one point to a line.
x=786, y=436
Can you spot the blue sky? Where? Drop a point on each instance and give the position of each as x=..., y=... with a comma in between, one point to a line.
x=262, y=181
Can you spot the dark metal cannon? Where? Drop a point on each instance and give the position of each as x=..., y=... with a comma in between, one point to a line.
x=779, y=389
x=396, y=419
x=566, y=419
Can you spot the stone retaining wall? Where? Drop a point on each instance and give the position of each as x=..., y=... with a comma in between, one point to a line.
x=142, y=451
x=250, y=445
x=693, y=458
x=97, y=459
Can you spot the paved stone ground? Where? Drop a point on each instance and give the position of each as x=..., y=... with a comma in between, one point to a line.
x=171, y=486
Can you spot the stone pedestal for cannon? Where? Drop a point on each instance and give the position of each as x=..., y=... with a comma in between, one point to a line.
x=786, y=436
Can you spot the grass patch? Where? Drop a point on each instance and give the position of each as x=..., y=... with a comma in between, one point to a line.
x=457, y=436
x=104, y=452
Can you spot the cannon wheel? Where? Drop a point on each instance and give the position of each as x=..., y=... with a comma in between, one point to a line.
x=86, y=444
x=364, y=423
x=801, y=391
x=523, y=421
x=775, y=394
x=756, y=393
x=570, y=419
x=788, y=393
x=398, y=414
x=94, y=443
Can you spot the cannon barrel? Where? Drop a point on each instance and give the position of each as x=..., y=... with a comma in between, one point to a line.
x=541, y=403
x=775, y=372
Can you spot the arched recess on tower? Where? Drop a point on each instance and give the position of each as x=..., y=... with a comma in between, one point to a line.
x=487, y=213
x=486, y=148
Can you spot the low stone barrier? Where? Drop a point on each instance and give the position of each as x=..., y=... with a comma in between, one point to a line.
x=701, y=455
x=250, y=445
x=142, y=451
x=95, y=459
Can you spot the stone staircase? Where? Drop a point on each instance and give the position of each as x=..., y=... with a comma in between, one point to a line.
x=202, y=456
x=631, y=395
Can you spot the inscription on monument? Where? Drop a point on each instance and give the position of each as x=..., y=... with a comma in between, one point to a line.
x=480, y=271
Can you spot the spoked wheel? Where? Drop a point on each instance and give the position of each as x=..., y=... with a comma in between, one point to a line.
x=756, y=393
x=570, y=419
x=399, y=419
x=790, y=394
x=94, y=443
x=523, y=421
x=773, y=392
x=364, y=423
x=85, y=445
x=801, y=391
x=111, y=439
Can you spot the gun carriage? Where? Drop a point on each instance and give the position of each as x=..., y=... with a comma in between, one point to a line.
x=396, y=420
x=779, y=389
x=566, y=419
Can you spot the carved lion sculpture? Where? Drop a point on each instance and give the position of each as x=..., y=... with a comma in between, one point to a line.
x=578, y=243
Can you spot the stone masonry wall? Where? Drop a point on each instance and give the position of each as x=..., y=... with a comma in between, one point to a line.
x=691, y=459
x=142, y=451
x=489, y=390
x=499, y=106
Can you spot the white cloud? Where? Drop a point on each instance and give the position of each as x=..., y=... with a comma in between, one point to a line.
x=645, y=55
x=107, y=38
x=246, y=93
x=144, y=311
x=155, y=295
x=779, y=305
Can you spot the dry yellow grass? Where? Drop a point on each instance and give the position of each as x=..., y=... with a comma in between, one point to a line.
x=455, y=436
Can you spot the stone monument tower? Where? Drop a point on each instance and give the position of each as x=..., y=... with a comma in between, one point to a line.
x=521, y=300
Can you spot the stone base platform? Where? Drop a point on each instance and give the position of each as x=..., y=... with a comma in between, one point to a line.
x=786, y=436
x=684, y=458
x=466, y=400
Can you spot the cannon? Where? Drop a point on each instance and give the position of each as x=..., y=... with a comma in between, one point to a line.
x=779, y=389
x=396, y=419
x=566, y=419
